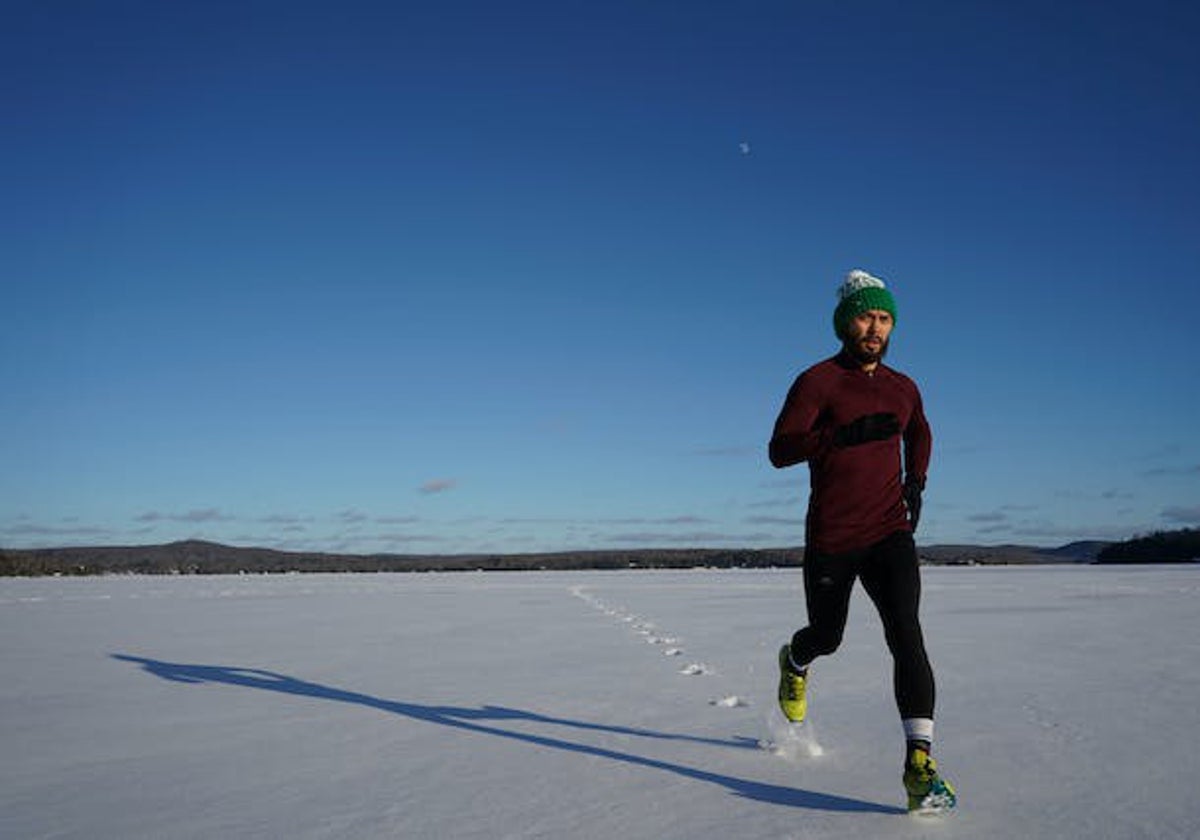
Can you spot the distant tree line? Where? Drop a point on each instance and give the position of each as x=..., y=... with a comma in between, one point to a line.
x=195, y=557
x=1160, y=547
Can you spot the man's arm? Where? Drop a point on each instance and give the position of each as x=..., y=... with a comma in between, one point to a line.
x=918, y=447
x=796, y=437
x=918, y=444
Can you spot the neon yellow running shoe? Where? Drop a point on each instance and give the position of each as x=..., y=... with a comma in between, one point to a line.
x=791, y=688
x=928, y=793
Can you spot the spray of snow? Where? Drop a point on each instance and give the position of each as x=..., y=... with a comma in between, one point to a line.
x=792, y=742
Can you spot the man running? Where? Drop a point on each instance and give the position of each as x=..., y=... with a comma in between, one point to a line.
x=847, y=417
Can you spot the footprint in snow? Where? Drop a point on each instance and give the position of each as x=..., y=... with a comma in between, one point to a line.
x=730, y=702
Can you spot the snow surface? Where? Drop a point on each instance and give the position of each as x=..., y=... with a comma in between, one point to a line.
x=587, y=705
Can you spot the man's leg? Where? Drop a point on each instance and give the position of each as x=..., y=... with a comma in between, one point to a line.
x=891, y=577
x=827, y=584
x=828, y=580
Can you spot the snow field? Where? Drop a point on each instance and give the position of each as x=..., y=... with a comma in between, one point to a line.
x=534, y=705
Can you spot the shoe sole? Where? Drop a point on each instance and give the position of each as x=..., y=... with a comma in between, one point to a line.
x=932, y=804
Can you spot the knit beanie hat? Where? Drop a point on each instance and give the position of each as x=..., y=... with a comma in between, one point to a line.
x=858, y=293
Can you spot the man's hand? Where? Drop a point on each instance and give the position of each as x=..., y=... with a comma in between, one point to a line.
x=913, y=487
x=867, y=428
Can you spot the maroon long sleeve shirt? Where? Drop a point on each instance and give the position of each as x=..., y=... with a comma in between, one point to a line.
x=856, y=491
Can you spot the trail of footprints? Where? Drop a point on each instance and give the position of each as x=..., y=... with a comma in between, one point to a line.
x=651, y=634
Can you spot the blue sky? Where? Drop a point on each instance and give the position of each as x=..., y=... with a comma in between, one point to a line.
x=467, y=276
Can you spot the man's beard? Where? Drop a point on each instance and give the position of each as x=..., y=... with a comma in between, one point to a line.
x=859, y=352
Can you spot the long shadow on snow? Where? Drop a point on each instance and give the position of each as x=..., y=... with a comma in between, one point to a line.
x=473, y=720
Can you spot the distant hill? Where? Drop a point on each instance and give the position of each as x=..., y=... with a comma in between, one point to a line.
x=1162, y=547
x=1076, y=552
x=199, y=557
x=194, y=557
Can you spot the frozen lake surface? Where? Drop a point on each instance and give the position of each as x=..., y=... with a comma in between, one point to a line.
x=587, y=705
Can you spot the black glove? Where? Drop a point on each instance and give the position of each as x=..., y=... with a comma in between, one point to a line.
x=867, y=428
x=913, y=487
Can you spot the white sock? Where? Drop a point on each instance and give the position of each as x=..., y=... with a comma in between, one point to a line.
x=918, y=729
x=796, y=668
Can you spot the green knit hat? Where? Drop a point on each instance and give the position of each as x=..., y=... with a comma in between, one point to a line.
x=858, y=293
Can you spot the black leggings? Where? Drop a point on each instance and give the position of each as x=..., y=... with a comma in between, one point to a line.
x=890, y=576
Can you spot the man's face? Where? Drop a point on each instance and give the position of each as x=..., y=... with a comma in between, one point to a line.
x=867, y=335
